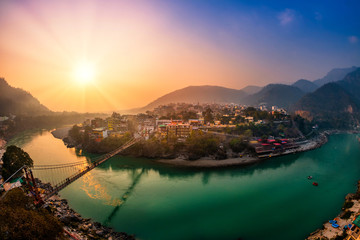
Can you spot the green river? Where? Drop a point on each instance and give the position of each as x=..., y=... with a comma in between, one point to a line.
x=270, y=200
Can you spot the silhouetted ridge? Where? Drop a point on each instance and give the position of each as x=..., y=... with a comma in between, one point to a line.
x=351, y=83
x=199, y=94
x=305, y=85
x=275, y=95
x=334, y=75
x=19, y=102
x=330, y=98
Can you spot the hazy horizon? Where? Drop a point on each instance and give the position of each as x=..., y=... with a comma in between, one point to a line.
x=92, y=56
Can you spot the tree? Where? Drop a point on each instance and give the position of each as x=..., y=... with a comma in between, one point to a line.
x=248, y=133
x=208, y=117
x=237, y=145
x=75, y=134
x=19, y=220
x=13, y=159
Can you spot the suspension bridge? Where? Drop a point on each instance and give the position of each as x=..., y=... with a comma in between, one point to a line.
x=67, y=173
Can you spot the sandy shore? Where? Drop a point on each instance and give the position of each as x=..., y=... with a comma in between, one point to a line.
x=61, y=133
x=210, y=163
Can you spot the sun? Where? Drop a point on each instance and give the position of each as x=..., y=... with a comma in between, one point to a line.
x=84, y=73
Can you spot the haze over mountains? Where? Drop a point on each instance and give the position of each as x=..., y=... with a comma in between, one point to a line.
x=334, y=75
x=280, y=95
x=335, y=96
x=17, y=101
x=305, y=85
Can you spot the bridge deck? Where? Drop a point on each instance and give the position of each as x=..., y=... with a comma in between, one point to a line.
x=103, y=159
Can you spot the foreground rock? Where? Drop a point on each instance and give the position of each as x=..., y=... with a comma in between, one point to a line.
x=75, y=226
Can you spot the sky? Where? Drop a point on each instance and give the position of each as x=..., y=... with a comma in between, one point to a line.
x=93, y=55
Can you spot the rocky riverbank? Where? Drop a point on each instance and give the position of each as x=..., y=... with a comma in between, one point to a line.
x=349, y=211
x=75, y=226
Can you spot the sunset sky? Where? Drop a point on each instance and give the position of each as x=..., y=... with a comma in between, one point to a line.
x=97, y=55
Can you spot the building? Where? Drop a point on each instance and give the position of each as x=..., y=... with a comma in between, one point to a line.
x=162, y=130
x=99, y=134
x=117, y=124
x=196, y=122
x=116, y=134
x=98, y=123
x=162, y=122
x=87, y=122
x=179, y=130
x=354, y=231
x=249, y=119
x=4, y=118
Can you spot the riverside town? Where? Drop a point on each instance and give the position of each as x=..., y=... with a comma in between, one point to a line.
x=179, y=120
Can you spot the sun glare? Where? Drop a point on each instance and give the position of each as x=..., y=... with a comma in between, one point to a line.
x=84, y=73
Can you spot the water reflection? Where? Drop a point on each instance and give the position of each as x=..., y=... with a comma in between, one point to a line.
x=119, y=164
x=136, y=178
x=93, y=189
x=229, y=206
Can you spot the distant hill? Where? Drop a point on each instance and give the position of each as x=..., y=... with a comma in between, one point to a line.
x=334, y=75
x=351, y=83
x=275, y=95
x=19, y=102
x=251, y=89
x=199, y=94
x=280, y=95
x=305, y=85
x=330, y=98
x=334, y=104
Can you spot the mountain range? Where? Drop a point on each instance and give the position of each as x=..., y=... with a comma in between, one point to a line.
x=280, y=95
x=335, y=104
x=324, y=98
x=334, y=75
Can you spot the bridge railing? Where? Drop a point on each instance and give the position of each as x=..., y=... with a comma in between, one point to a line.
x=62, y=184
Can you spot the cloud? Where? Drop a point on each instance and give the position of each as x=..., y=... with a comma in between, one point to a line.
x=353, y=39
x=286, y=17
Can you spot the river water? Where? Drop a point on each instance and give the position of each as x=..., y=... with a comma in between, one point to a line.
x=270, y=200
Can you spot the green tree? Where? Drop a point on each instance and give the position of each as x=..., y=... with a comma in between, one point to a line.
x=13, y=159
x=208, y=115
x=75, y=134
x=19, y=220
x=237, y=145
x=248, y=133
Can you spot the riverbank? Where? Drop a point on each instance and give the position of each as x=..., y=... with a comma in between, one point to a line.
x=210, y=163
x=349, y=211
x=160, y=187
x=245, y=160
x=75, y=226
x=61, y=133
x=242, y=160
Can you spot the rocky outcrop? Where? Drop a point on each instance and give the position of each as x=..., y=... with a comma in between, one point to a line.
x=76, y=226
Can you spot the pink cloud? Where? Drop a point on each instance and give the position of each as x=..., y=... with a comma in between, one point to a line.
x=286, y=17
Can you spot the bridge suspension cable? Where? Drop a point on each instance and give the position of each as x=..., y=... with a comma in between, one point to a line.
x=64, y=178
